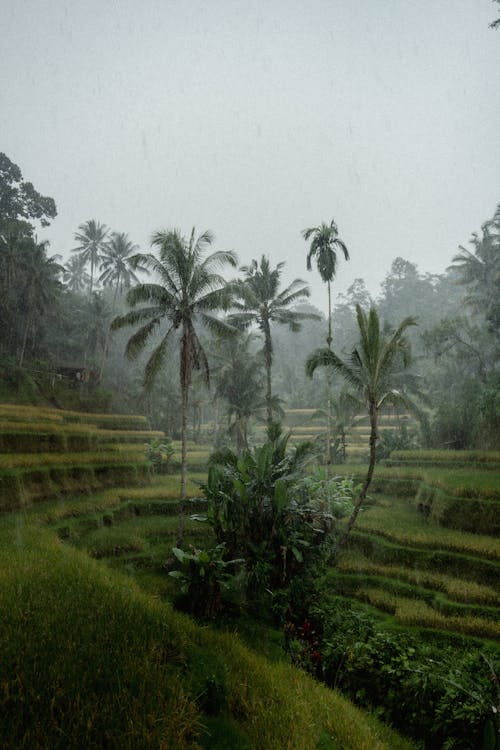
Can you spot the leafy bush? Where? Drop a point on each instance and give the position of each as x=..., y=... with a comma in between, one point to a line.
x=160, y=453
x=332, y=495
x=400, y=439
x=447, y=697
x=259, y=507
x=203, y=577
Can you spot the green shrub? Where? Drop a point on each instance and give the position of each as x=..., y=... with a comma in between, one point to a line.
x=445, y=697
x=468, y=514
x=260, y=508
x=204, y=576
x=160, y=454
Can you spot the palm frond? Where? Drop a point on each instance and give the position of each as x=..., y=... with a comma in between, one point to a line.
x=138, y=341
x=156, y=360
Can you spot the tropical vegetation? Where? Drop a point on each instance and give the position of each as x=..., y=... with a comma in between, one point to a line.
x=376, y=575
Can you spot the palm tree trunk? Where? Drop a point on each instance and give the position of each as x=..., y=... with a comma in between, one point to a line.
x=268, y=396
x=368, y=479
x=25, y=339
x=329, y=394
x=91, y=285
x=108, y=333
x=184, y=410
x=268, y=361
x=185, y=381
x=329, y=337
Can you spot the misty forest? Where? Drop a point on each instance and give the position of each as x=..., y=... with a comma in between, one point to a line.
x=244, y=506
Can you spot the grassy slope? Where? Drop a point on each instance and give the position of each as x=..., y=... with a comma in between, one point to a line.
x=88, y=660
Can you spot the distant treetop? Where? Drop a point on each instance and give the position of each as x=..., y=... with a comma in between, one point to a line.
x=19, y=200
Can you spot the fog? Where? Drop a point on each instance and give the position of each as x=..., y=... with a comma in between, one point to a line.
x=258, y=120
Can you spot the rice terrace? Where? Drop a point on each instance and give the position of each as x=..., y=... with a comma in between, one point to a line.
x=87, y=536
x=249, y=481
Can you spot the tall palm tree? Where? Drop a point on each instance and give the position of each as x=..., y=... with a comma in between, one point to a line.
x=324, y=246
x=74, y=275
x=257, y=299
x=374, y=370
x=117, y=267
x=91, y=239
x=190, y=289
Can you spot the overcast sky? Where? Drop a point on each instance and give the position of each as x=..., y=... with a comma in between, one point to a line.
x=258, y=119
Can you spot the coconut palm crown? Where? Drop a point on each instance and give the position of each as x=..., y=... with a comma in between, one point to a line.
x=91, y=239
x=190, y=289
x=374, y=371
x=258, y=300
x=117, y=267
x=324, y=246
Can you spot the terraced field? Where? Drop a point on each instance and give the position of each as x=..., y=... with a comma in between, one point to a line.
x=88, y=657
x=426, y=550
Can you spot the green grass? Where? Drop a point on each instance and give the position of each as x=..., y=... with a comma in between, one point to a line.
x=468, y=567
x=88, y=660
x=28, y=460
x=413, y=612
x=448, y=457
x=399, y=522
x=457, y=589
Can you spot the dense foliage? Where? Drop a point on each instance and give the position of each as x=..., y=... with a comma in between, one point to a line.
x=445, y=693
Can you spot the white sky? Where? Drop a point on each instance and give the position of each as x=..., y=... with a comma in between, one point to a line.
x=258, y=119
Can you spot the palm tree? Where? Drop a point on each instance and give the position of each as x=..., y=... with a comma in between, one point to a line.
x=190, y=290
x=374, y=370
x=258, y=300
x=74, y=275
x=324, y=246
x=480, y=271
x=117, y=267
x=92, y=241
x=239, y=381
x=118, y=270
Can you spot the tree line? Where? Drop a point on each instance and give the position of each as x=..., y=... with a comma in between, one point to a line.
x=251, y=336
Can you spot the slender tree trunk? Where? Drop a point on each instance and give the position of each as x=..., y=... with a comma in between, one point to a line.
x=329, y=394
x=329, y=337
x=184, y=410
x=108, y=333
x=368, y=479
x=268, y=361
x=185, y=381
x=25, y=339
x=269, y=396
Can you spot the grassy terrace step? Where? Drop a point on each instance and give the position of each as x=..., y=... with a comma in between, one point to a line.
x=412, y=612
x=17, y=413
x=23, y=486
x=352, y=582
x=448, y=458
x=399, y=522
x=456, y=589
x=41, y=437
x=468, y=567
x=462, y=499
x=28, y=460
